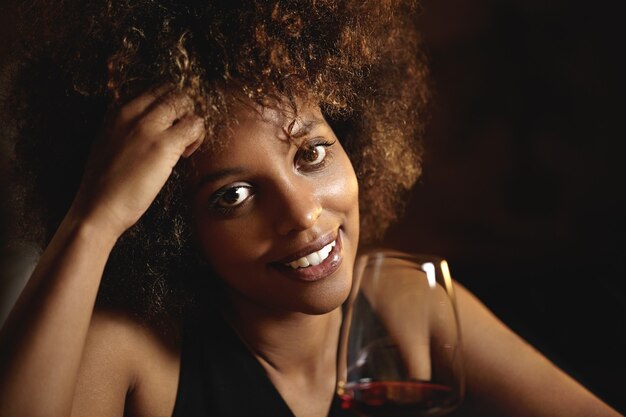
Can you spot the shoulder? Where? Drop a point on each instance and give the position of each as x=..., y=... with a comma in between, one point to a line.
x=128, y=365
x=131, y=342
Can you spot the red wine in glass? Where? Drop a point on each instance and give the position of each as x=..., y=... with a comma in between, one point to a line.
x=400, y=347
x=396, y=398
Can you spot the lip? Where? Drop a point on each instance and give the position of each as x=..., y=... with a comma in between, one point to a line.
x=317, y=272
x=314, y=246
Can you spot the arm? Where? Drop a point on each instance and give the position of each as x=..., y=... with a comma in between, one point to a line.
x=42, y=341
x=506, y=376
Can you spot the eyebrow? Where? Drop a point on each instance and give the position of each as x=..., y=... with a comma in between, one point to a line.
x=218, y=175
x=297, y=130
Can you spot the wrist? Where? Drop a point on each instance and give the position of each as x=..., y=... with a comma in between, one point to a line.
x=93, y=226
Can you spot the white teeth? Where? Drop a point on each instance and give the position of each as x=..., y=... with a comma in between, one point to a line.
x=314, y=258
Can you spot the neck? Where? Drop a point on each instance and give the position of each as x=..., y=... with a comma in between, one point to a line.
x=298, y=352
x=289, y=343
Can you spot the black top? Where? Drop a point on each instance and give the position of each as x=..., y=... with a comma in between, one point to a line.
x=219, y=376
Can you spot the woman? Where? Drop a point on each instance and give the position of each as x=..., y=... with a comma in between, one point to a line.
x=218, y=212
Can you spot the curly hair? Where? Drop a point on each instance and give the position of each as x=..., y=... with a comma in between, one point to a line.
x=359, y=60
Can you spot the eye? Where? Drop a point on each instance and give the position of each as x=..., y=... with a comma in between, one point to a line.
x=313, y=156
x=231, y=197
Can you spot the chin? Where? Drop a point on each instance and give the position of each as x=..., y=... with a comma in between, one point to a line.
x=328, y=297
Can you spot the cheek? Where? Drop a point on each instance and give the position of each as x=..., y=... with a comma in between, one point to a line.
x=342, y=199
x=223, y=245
x=343, y=189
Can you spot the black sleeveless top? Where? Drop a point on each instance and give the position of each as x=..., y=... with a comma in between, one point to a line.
x=219, y=376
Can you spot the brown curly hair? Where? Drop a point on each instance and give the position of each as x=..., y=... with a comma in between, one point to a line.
x=360, y=60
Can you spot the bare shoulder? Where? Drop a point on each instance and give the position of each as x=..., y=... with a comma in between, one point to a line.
x=507, y=376
x=127, y=368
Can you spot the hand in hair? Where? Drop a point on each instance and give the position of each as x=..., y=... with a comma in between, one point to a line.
x=134, y=156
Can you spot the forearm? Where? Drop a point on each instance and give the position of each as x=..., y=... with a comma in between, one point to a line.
x=42, y=341
x=507, y=376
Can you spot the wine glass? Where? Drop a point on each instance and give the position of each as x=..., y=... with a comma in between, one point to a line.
x=400, y=346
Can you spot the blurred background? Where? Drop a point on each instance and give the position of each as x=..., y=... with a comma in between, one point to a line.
x=523, y=185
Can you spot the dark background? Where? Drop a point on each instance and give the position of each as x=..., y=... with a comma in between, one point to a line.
x=523, y=185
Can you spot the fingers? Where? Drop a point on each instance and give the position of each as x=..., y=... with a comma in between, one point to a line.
x=158, y=109
x=418, y=359
x=169, y=111
x=190, y=132
x=139, y=105
x=404, y=308
x=162, y=115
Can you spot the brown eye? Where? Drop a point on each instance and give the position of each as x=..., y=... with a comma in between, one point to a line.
x=312, y=155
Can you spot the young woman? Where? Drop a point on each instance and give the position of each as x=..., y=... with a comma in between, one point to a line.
x=187, y=160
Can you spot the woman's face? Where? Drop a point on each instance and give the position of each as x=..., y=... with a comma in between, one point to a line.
x=276, y=211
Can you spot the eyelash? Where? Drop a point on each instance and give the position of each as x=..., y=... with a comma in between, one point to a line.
x=312, y=145
x=225, y=211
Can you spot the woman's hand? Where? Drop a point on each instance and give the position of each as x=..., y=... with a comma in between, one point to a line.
x=133, y=158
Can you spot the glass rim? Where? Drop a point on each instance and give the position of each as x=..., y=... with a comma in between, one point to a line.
x=384, y=252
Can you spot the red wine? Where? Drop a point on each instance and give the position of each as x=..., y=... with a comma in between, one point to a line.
x=397, y=398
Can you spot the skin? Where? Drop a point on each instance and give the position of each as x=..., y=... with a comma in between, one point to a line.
x=44, y=337
x=411, y=311
x=288, y=200
x=72, y=360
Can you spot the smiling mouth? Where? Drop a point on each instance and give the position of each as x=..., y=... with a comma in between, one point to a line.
x=315, y=265
x=313, y=258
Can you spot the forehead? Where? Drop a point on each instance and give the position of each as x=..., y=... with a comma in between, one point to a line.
x=253, y=120
x=258, y=132
x=286, y=120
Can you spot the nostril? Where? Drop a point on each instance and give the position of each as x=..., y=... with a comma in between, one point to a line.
x=298, y=216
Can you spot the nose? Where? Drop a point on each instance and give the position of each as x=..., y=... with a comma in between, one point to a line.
x=298, y=206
